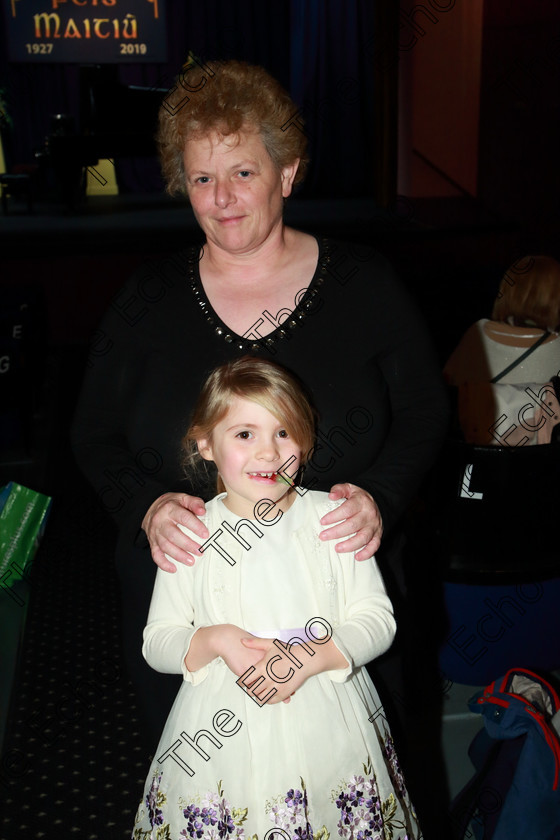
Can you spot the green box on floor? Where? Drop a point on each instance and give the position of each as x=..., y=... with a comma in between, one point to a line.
x=23, y=516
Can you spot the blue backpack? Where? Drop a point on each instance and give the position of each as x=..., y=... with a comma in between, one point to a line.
x=515, y=792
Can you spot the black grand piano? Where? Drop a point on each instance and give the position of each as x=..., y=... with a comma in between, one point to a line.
x=115, y=121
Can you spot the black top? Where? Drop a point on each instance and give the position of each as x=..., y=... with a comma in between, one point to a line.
x=354, y=337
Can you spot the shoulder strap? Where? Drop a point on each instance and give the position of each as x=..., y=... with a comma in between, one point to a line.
x=523, y=356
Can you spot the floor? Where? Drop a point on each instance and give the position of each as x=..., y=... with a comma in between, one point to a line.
x=73, y=762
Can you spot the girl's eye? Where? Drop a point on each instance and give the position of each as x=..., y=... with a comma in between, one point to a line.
x=283, y=433
x=243, y=435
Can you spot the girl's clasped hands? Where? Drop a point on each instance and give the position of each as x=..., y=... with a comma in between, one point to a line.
x=242, y=651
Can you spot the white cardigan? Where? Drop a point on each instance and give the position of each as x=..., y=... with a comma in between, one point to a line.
x=350, y=595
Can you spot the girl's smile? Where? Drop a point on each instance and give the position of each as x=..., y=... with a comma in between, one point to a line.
x=264, y=477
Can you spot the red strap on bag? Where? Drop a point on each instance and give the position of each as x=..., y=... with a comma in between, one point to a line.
x=549, y=734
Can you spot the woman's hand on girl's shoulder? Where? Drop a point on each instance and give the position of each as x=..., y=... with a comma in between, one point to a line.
x=160, y=524
x=362, y=521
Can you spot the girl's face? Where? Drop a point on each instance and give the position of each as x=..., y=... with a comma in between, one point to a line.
x=249, y=445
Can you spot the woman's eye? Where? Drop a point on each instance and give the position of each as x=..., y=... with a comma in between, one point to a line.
x=244, y=173
x=204, y=179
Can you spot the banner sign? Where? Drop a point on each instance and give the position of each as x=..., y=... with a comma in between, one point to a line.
x=86, y=31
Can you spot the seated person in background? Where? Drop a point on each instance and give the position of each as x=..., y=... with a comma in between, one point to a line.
x=506, y=369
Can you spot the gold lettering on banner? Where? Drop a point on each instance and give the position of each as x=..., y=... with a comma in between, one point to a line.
x=57, y=3
x=97, y=23
x=46, y=19
x=155, y=5
x=71, y=30
x=130, y=20
x=48, y=26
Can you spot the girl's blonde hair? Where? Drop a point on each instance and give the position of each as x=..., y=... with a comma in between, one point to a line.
x=260, y=381
x=529, y=294
x=231, y=97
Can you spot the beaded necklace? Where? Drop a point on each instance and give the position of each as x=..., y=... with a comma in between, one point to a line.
x=297, y=317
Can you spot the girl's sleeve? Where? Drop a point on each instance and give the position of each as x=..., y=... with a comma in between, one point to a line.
x=367, y=626
x=170, y=628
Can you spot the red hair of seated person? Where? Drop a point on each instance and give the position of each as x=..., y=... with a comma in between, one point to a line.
x=529, y=294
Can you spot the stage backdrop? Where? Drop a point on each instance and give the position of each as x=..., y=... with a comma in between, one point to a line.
x=323, y=51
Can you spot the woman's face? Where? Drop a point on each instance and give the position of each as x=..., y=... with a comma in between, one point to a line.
x=235, y=190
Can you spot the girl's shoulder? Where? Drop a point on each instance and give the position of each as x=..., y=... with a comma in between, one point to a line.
x=213, y=511
x=315, y=503
x=319, y=501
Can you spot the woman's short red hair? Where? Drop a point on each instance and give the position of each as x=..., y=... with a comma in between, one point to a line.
x=235, y=96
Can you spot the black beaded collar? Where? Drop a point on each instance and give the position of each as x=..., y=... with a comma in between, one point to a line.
x=298, y=316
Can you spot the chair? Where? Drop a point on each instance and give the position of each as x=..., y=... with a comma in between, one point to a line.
x=495, y=514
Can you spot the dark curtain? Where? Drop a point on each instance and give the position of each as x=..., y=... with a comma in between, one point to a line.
x=318, y=49
x=249, y=30
x=332, y=81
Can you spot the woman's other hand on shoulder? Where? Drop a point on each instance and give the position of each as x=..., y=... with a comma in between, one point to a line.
x=362, y=521
x=166, y=538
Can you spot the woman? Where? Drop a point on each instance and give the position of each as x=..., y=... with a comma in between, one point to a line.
x=505, y=368
x=333, y=314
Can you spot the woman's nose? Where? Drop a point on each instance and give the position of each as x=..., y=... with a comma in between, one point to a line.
x=223, y=194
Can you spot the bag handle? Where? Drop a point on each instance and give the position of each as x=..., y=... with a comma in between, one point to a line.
x=523, y=356
x=525, y=672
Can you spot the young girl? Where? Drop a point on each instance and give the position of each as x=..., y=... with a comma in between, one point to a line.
x=277, y=731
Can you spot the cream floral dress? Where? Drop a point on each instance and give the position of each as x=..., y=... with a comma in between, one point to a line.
x=321, y=766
